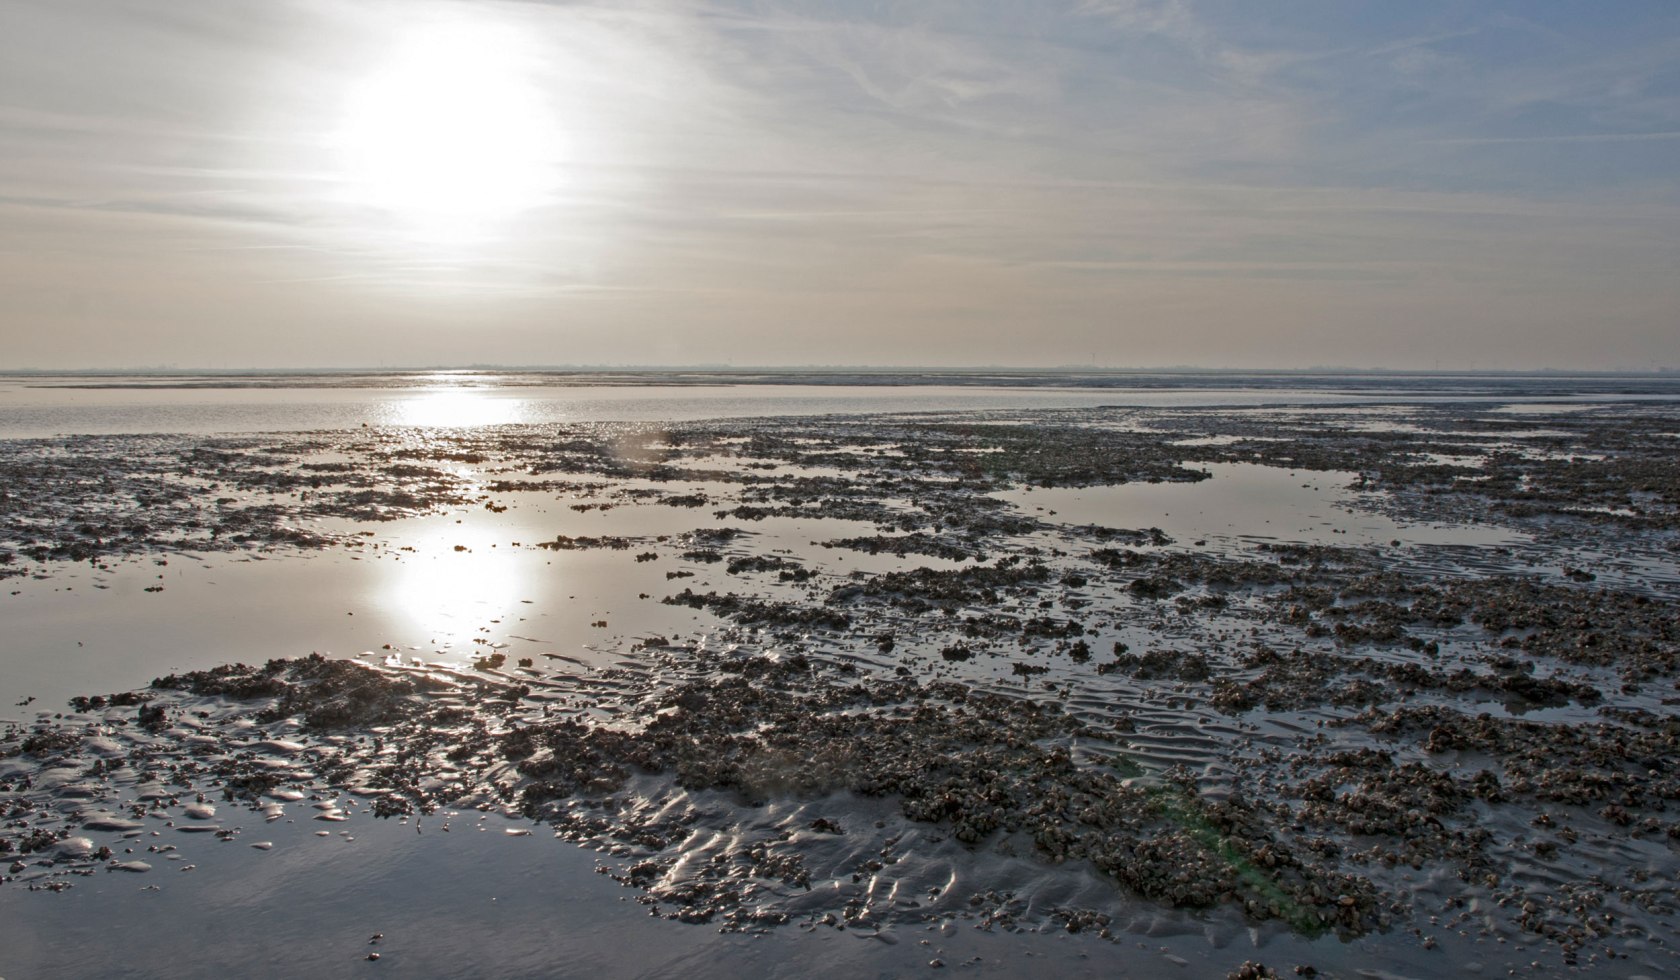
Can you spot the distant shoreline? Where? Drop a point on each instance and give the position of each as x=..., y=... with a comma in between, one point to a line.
x=168, y=378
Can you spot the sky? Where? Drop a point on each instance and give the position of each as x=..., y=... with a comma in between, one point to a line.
x=1116, y=183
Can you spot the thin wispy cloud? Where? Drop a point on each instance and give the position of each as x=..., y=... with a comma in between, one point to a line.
x=1165, y=181
x=1564, y=138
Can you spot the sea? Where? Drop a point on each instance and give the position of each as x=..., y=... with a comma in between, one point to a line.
x=41, y=405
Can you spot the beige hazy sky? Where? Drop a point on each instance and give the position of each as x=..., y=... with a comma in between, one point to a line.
x=1126, y=182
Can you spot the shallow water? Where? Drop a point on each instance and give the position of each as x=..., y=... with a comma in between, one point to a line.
x=37, y=412
x=445, y=588
x=1243, y=504
x=474, y=901
x=450, y=587
x=34, y=406
x=32, y=411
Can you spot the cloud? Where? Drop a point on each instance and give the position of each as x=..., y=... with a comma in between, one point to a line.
x=1564, y=138
x=1215, y=170
x=1170, y=19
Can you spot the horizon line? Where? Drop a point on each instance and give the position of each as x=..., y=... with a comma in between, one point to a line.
x=164, y=370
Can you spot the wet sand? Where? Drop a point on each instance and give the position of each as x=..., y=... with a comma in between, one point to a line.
x=1319, y=688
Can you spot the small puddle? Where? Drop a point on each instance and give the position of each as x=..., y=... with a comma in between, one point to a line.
x=1249, y=502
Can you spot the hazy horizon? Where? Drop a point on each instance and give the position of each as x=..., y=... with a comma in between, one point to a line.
x=795, y=370
x=327, y=184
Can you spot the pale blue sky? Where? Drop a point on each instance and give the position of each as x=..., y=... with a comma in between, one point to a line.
x=1138, y=183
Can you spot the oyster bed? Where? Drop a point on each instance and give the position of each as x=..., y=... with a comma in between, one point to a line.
x=894, y=675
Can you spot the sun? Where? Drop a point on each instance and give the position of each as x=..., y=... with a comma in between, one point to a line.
x=450, y=127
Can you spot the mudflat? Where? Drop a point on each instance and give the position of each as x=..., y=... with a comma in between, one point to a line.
x=1298, y=689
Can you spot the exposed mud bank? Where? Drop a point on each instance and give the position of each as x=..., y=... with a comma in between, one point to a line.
x=956, y=703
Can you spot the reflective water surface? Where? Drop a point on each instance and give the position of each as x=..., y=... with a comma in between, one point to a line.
x=47, y=405
x=467, y=583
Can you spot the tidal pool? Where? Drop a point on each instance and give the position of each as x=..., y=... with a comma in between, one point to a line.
x=1242, y=504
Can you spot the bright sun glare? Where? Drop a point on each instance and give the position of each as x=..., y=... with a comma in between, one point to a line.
x=458, y=407
x=450, y=128
x=448, y=595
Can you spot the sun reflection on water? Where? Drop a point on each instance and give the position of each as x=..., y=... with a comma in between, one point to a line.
x=455, y=585
x=460, y=407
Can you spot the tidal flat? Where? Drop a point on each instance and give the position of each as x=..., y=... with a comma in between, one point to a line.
x=1313, y=689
